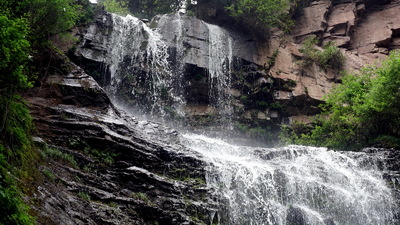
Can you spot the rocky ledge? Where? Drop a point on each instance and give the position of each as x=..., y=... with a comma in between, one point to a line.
x=101, y=166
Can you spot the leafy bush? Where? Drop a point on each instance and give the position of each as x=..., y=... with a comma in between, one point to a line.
x=117, y=7
x=13, y=210
x=364, y=109
x=14, y=52
x=267, y=13
x=329, y=57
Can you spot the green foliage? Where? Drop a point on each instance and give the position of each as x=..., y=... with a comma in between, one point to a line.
x=83, y=195
x=329, y=57
x=142, y=197
x=364, y=109
x=14, y=52
x=117, y=7
x=262, y=105
x=244, y=98
x=13, y=210
x=271, y=61
x=150, y=8
x=276, y=106
x=15, y=125
x=103, y=156
x=48, y=17
x=268, y=13
x=24, y=24
x=49, y=174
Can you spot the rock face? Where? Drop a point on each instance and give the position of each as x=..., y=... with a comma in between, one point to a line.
x=219, y=73
x=111, y=168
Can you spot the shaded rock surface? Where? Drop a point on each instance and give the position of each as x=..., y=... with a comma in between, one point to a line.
x=125, y=171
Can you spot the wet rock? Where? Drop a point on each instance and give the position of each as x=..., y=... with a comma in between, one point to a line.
x=125, y=171
x=295, y=216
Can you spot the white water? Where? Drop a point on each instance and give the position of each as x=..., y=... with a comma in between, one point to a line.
x=219, y=67
x=324, y=187
x=133, y=44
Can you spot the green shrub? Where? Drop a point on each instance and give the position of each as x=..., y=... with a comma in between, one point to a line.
x=13, y=209
x=267, y=13
x=363, y=110
x=329, y=57
x=117, y=7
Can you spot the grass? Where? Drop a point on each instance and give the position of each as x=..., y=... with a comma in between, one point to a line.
x=49, y=174
x=83, y=195
x=54, y=153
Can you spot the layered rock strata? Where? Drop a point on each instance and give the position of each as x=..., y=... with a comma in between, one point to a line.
x=103, y=167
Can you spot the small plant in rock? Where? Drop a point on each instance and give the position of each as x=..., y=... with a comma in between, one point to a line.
x=83, y=195
x=329, y=56
x=49, y=174
x=276, y=106
x=54, y=153
x=142, y=197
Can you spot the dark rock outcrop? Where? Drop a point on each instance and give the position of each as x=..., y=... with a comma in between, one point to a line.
x=122, y=171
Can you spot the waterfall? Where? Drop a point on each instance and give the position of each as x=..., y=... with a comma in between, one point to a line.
x=295, y=185
x=219, y=68
x=151, y=62
x=138, y=55
x=282, y=186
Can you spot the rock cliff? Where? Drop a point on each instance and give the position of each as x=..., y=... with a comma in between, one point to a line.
x=267, y=83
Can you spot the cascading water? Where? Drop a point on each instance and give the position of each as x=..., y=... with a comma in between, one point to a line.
x=219, y=67
x=134, y=45
x=295, y=185
x=140, y=57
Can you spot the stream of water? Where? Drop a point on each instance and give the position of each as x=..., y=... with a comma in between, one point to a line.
x=295, y=185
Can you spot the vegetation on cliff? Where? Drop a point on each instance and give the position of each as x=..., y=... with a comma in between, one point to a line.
x=257, y=14
x=364, y=110
x=263, y=13
x=327, y=56
x=25, y=27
